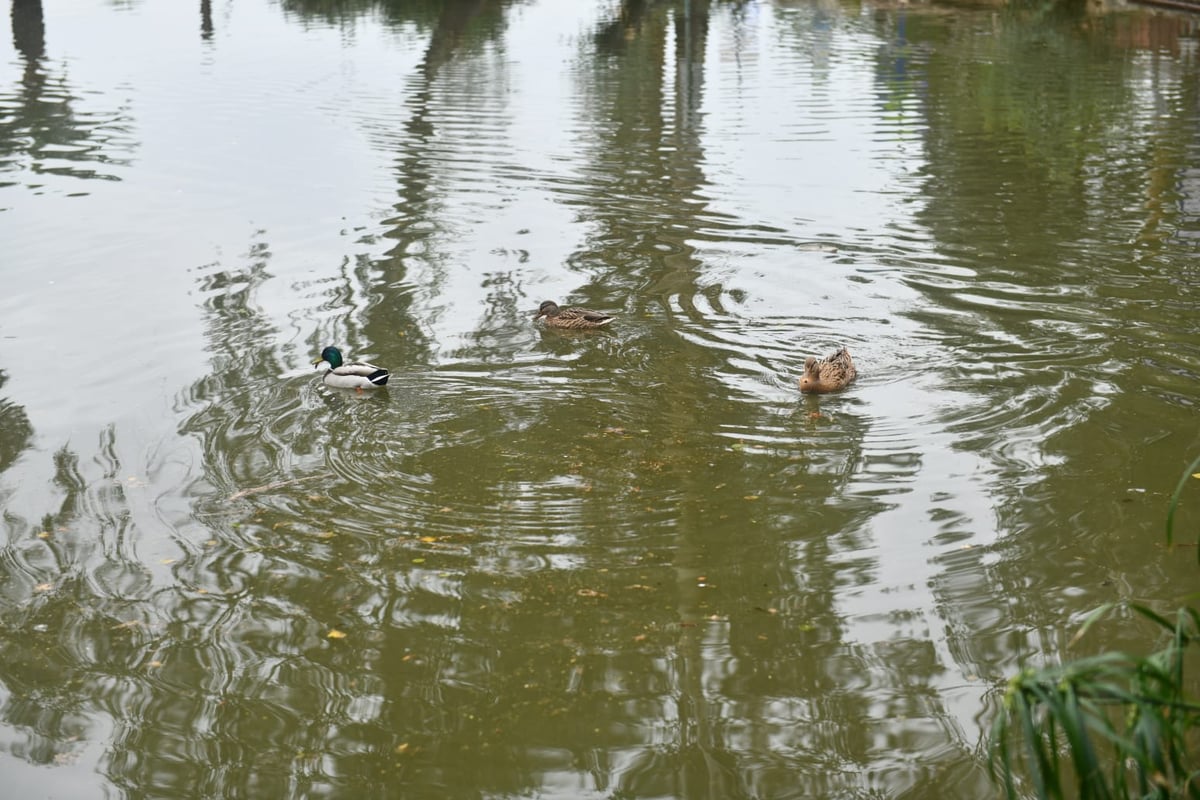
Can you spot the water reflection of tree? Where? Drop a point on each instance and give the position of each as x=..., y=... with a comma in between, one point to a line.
x=186, y=669
x=75, y=602
x=458, y=25
x=470, y=666
x=42, y=125
x=234, y=428
x=644, y=253
x=529, y=629
x=206, y=20
x=1059, y=194
x=455, y=653
x=452, y=27
x=15, y=430
x=447, y=20
x=525, y=630
x=29, y=30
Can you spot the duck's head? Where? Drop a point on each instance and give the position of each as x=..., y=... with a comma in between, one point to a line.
x=331, y=355
x=811, y=377
x=548, y=308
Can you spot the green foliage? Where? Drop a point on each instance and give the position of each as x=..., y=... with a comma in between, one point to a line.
x=1122, y=722
x=1183, y=481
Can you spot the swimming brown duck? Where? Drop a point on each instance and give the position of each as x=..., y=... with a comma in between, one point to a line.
x=828, y=374
x=571, y=318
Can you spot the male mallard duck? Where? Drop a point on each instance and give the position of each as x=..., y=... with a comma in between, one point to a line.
x=355, y=375
x=828, y=374
x=571, y=318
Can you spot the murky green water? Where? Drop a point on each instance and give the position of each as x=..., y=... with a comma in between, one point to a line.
x=623, y=565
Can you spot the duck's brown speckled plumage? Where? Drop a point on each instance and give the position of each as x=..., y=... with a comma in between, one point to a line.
x=571, y=318
x=828, y=374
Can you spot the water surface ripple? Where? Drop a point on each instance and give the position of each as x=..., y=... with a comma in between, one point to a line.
x=631, y=562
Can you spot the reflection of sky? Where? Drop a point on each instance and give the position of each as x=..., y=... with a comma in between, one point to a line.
x=783, y=152
x=230, y=145
x=796, y=141
x=293, y=151
x=300, y=141
x=296, y=141
x=503, y=139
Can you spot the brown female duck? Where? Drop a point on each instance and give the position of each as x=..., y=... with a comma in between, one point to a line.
x=828, y=374
x=571, y=318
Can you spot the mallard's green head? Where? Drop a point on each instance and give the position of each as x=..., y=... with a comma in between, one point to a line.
x=332, y=355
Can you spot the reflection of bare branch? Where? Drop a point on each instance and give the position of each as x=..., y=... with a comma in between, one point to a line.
x=276, y=485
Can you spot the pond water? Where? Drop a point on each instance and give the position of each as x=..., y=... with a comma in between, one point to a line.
x=622, y=564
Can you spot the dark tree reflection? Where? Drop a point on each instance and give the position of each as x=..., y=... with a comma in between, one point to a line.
x=29, y=30
x=44, y=132
x=15, y=429
x=206, y=20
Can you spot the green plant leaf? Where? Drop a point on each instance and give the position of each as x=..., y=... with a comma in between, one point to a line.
x=1175, y=503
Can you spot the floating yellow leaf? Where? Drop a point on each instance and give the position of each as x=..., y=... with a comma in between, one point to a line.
x=1196, y=475
x=43, y=587
x=428, y=539
x=335, y=634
